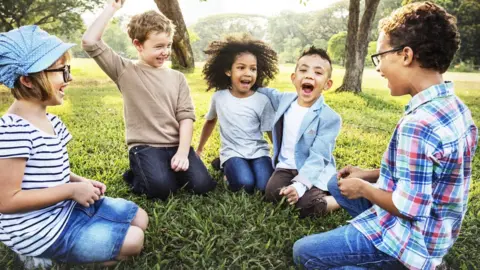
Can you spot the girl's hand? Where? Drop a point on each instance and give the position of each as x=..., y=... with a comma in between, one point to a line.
x=180, y=162
x=291, y=193
x=101, y=186
x=199, y=153
x=85, y=193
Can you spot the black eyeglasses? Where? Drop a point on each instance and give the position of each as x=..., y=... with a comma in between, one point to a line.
x=376, y=57
x=66, y=72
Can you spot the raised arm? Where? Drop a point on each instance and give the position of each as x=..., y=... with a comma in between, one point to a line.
x=95, y=30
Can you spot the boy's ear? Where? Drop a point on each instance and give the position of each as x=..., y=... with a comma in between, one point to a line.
x=292, y=76
x=228, y=73
x=408, y=56
x=328, y=85
x=25, y=80
x=138, y=45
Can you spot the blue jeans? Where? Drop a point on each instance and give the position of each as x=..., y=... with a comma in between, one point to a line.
x=344, y=247
x=151, y=172
x=95, y=233
x=248, y=173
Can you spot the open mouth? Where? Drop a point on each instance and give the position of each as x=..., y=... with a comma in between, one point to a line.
x=245, y=83
x=307, y=88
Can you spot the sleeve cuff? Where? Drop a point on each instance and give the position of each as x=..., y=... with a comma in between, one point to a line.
x=185, y=115
x=303, y=180
x=300, y=188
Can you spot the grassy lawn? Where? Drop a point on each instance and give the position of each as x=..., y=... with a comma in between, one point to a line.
x=234, y=230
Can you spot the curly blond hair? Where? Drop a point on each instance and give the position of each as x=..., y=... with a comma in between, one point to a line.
x=142, y=25
x=428, y=29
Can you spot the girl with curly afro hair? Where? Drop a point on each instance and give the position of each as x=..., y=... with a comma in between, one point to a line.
x=412, y=214
x=237, y=66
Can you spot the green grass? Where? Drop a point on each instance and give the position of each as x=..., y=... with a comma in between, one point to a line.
x=234, y=230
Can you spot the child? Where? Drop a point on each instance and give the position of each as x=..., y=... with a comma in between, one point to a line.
x=158, y=109
x=46, y=210
x=412, y=215
x=304, y=134
x=236, y=68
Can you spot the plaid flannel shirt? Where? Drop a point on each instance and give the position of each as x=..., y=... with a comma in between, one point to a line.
x=427, y=167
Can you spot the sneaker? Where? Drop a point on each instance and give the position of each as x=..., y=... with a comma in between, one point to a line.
x=216, y=164
x=128, y=177
x=30, y=262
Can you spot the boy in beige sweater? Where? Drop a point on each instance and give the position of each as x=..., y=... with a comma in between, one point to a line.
x=158, y=109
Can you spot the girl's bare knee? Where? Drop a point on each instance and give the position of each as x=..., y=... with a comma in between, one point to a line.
x=141, y=219
x=133, y=243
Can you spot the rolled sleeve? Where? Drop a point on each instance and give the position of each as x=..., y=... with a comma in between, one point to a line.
x=185, y=108
x=414, y=165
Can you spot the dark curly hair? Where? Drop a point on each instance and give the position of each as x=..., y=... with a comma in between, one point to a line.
x=222, y=55
x=428, y=29
x=312, y=50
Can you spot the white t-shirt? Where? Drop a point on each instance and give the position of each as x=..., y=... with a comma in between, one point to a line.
x=242, y=123
x=292, y=120
x=31, y=233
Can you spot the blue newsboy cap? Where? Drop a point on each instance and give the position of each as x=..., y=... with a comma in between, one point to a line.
x=28, y=49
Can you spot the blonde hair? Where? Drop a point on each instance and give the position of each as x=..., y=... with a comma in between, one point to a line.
x=142, y=25
x=41, y=87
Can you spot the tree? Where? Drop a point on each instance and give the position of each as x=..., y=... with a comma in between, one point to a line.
x=56, y=17
x=215, y=27
x=357, y=44
x=336, y=47
x=182, y=56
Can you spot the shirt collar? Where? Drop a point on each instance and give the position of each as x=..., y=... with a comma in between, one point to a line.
x=434, y=91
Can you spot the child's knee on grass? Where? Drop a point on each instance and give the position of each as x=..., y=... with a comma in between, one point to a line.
x=141, y=219
x=133, y=243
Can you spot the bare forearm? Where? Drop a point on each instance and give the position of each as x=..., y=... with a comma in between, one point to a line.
x=371, y=175
x=381, y=198
x=30, y=200
x=95, y=30
x=186, y=132
x=76, y=178
x=207, y=130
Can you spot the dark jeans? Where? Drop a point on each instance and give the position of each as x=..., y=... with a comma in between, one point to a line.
x=312, y=203
x=151, y=172
x=248, y=173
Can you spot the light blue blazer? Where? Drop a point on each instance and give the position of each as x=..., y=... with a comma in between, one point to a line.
x=315, y=140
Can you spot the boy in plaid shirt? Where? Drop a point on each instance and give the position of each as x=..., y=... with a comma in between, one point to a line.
x=411, y=215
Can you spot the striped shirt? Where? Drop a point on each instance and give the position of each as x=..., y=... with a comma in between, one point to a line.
x=31, y=233
x=427, y=167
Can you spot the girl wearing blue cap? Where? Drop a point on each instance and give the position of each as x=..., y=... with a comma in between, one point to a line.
x=47, y=211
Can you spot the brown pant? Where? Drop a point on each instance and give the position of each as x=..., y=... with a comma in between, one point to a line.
x=312, y=203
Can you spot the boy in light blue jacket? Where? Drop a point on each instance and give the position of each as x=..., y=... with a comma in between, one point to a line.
x=304, y=134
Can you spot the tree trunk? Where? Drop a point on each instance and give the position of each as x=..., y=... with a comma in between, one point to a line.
x=182, y=56
x=357, y=44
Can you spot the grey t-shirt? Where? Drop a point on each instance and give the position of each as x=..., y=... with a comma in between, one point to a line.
x=242, y=123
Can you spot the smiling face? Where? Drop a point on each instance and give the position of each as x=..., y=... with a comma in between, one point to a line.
x=311, y=77
x=57, y=83
x=156, y=49
x=243, y=74
x=392, y=67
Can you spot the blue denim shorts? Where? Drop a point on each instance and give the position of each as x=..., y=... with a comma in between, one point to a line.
x=95, y=233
